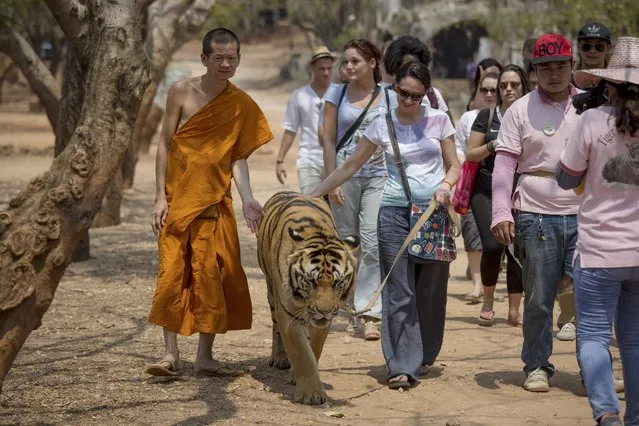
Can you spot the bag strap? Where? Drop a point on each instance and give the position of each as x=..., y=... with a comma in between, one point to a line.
x=341, y=97
x=491, y=115
x=410, y=237
x=397, y=154
x=349, y=133
x=387, y=98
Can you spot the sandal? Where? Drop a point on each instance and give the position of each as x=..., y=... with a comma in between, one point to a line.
x=515, y=323
x=399, y=382
x=473, y=299
x=164, y=368
x=486, y=318
x=371, y=332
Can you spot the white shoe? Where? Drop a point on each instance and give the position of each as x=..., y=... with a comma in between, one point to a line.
x=537, y=381
x=567, y=333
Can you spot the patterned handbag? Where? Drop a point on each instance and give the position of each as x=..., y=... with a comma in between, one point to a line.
x=433, y=227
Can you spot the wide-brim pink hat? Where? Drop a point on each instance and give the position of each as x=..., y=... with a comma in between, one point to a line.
x=622, y=68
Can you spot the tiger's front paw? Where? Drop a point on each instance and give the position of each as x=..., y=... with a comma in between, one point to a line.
x=309, y=392
x=280, y=361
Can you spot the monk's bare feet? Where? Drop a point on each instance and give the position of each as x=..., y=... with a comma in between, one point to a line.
x=169, y=365
x=211, y=367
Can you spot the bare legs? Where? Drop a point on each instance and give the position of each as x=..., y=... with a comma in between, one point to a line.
x=171, y=352
x=204, y=362
x=514, y=301
x=474, y=264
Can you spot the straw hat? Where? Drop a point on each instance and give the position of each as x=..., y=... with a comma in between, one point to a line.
x=321, y=52
x=623, y=65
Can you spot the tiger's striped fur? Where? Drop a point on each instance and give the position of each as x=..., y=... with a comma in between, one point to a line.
x=309, y=274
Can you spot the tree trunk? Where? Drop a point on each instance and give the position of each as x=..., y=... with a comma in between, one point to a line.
x=70, y=110
x=132, y=155
x=35, y=71
x=150, y=128
x=109, y=214
x=44, y=223
x=3, y=76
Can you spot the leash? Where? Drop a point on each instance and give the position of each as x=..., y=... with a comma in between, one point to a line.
x=411, y=235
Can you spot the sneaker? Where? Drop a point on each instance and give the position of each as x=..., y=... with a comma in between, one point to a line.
x=537, y=381
x=567, y=333
x=613, y=420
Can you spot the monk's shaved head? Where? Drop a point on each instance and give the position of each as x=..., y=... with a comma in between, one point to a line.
x=219, y=36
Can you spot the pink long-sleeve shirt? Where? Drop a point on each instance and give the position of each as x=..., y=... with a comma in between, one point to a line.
x=533, y=133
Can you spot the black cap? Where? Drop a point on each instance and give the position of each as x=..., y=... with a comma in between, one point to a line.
x=595, y=30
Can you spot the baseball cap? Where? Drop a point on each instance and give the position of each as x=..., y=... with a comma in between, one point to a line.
x=595, y=30
x=552, y=48
x=321, y=52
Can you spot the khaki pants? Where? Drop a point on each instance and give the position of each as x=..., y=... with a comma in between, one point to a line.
x=566, y=301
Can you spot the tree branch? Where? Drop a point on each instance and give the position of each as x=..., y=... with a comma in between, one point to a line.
x=36, y=72
x=142, y=5
x=72, y=16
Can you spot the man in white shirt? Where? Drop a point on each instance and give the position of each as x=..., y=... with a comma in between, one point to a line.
x=305, y=111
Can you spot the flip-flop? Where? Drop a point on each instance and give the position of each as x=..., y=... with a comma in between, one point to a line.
x=486, y=318
x=399, y=384
x=221, y=371
x=163, y=368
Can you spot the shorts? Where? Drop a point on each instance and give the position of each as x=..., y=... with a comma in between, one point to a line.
x=470, y=232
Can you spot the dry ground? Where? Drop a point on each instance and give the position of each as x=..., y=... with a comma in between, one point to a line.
x=85, y=365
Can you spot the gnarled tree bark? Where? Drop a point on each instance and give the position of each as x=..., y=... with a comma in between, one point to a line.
x=45, y=222
x=70, y=110
x=170, y=24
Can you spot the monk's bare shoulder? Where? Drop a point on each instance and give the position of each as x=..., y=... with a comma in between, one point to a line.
x=181, y=89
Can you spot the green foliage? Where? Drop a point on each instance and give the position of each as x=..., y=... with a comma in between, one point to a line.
x=237, y=14
x=534, y=17
x=335, y=22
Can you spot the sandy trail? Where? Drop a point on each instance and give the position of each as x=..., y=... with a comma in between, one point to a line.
x=85, y=365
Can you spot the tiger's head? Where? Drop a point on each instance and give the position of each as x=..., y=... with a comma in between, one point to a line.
x=321, y=274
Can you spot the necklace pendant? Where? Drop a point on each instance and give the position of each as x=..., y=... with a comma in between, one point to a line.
x=549, y=129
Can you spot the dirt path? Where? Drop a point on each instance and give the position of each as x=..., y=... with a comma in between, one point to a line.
x=85, y=365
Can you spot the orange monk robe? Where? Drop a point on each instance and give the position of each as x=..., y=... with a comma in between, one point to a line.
x=201, y=285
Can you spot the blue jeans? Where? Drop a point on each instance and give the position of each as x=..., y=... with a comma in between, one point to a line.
x=413, y=300
x=546, y=247
x=604, y=296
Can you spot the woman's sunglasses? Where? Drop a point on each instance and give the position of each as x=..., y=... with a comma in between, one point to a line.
x=514, y=84
x=587, y=47
x=415, y=97
x=486, y=90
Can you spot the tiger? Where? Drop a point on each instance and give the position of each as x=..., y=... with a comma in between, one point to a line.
x=310, y=273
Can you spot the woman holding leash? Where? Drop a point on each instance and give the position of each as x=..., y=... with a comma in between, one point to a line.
x=414, y=301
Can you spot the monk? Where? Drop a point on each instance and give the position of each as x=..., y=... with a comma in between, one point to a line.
x=210, y=128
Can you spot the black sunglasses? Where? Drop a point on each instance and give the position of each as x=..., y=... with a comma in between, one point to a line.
x=587, y=47
x=514, y=84
x=415, y=97
x=485, y=90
